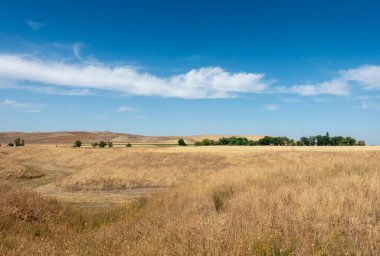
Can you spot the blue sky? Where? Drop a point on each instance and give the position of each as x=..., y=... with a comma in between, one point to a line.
x=293, y=68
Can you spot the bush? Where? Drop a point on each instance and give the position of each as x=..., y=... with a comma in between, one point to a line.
x=19, y=142
x=181, y=142
x=128, y=145
x=361, y=143
x=102, y=144
x=95, y=145
x=10, y=144
x=77, y=144
x=219, y=197
x=110, y=144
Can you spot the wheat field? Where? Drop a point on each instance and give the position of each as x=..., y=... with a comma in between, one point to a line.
x=190, y=201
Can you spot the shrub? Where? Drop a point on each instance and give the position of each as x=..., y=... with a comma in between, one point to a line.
x=19, y=142
x=102, y=144
x=10, y=144
x=110, y=144
x=181, y=142
x=361, y=143
x=77, y=144
x=128, y=145
x=95, y=145
x=220, y=196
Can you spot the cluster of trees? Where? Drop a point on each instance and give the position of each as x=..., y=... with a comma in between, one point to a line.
x=101, y=144
x=318, y=140
x=326, y=140
x=18, y=143
x=226, y=141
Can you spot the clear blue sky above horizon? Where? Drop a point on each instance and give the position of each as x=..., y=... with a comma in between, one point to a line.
x=293, y=68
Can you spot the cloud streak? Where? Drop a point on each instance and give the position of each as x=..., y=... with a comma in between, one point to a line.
x=207, y=82
x=271, y=107
x=369, y=105
x=126, y=109
x=333, y=87
x=34, y=25
x=76, y=51
x=19, y=105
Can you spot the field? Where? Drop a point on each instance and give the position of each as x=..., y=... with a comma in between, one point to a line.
x=189, y=200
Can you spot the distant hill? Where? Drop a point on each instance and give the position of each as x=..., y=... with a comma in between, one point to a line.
x=89, y=137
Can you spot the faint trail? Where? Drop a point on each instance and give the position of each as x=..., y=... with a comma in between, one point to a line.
x=46, y=185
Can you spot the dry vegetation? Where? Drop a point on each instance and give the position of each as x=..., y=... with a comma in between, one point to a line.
x=212, y=201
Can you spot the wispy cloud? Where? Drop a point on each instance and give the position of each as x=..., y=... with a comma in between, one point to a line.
x=19, y=105
x=291, y=100
x=369, y=105
x=202, y=83
x=76, y=50
x=367, y=76
x=59, y=91
x=34, y=25
x=207, y=82
x=334, y=87
x=126, y=109
x=271, y=107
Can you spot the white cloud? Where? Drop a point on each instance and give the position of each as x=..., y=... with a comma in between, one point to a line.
x=334, y=87
x=24, y=106
x=271, y=107
x=367, y=76
x=34, y=25
x=207, y=82
x=202, y=83
x=126, y=109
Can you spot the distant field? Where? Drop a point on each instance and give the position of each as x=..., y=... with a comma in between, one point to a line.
x=60, y=138
x=190, y=200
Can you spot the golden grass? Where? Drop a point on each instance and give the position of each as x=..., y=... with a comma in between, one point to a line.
x=220, y=201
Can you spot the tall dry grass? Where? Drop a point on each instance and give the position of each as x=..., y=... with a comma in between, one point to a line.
x=262, y=201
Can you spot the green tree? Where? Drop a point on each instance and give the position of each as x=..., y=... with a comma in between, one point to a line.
x=128, y=145
x=267, y=140
x=77, y=144
x=349, y=141
x=110, y=144
x=305, y=141
x=181, y=142
x=337, y=141
x=102, y=144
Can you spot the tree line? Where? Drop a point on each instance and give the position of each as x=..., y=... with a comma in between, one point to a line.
x=318, y=140
x=100, y=144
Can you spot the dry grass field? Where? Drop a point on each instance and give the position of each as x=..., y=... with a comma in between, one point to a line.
x=190, y=201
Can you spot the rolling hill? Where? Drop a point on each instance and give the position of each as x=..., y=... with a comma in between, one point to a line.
x=89, y=137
